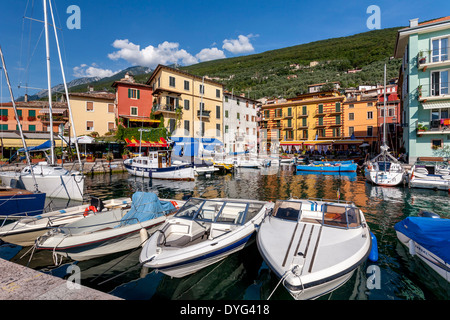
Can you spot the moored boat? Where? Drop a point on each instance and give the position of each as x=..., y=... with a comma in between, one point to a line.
x=314, y=246
x=328, y=166
x=158, y=165
x=430, y=173
x=202, y=232
x=109, y=232
x=19, y=203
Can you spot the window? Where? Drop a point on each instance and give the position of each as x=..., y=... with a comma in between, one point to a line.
x=440, y=49
x=89, y=106
x=31, y=113
x=226, y=113
x=134, y=111
x=218, y=130
x=351, y=116
x=370, y=104
x=304, y=123
x=111, y=126
x=370, y=115
x=186, y=85
x=305, y=134
x=304, y=110
x=435, y=144
x=338, y=107
x=238, y=116
x=3, y=127
x=351, y=106
x=289, y=113
x=226, y=99
x=202, y=106
x=186, y=104
x=134, y=94
x=217, y=93
x=171, y=125
x=217, y=112
x=369, y=131
x=31, y=127
x=439, y=83
x=338, y=119
x=202, y=89
x=351, y=131
x=226, y=129
x=320, y=108
x=186, y=127
x=172, y=81
x=90, y=125
x=110, y=107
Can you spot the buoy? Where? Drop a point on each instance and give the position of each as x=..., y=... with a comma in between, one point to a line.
x=144, y=235
x=373, y=255
x=175, y=204
x=88, y=209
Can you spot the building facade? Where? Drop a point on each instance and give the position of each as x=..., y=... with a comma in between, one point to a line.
x=192, y=106
x=95, y=112
x=424, y=79
x=240, y=127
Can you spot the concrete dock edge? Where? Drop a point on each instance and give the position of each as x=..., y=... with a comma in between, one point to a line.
x=18, y=282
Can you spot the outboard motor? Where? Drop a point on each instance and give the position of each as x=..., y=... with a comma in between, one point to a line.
x=428, y=214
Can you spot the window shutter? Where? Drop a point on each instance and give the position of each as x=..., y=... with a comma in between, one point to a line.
x=138, y=94
x=129, y=93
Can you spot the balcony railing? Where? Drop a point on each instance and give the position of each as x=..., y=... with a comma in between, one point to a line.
x=203, y=113
x=302, y=115
x=434, y=91
x=433, y=57
x=164, y=107
x=440, y=126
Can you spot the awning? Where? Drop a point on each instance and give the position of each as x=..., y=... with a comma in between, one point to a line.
x=54, y=111
x=291, y=143
x=42, y=147
x=140, y=119
x=136, y=143
x=17, y=143
x=315, y=142
x=348, y=141
x=436, y=104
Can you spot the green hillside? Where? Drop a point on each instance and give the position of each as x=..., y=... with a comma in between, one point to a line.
x=266, y=74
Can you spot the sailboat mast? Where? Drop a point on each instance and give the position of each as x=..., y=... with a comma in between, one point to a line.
x=50, y=109
x=19, y=125
x=65, y=88
x=384, y=119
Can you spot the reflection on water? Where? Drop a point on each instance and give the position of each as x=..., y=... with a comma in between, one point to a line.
x=244, y=275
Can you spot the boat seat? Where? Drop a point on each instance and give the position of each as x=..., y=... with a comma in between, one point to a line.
x=311, y=216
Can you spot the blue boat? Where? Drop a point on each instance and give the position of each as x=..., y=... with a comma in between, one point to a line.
x=429, y=239
x=18, y=203
x=351, y=176
x=329, y=166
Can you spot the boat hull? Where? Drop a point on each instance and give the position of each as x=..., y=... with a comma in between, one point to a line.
x=181, y=172
x=384, y=178
x=55, y=186
x=429, y=182
x=328, y=168
x=20, y=204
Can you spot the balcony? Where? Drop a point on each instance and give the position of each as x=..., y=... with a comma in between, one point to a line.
x=203, y=113
x=328, y=123
x=441, y=126
x=437, y=91
x=301, y=126
x=320, y=113
x=287, y=115
x=433, y=58
x=303, y=115
x=164, y=108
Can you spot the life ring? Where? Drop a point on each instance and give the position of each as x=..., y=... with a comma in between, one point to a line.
x=175, y=204
x=369, y=167
x=90, y=208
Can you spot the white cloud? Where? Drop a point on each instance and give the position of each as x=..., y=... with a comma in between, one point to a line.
x=150, y=56
x=240, y=45
x=208, y=54
x=91, y=71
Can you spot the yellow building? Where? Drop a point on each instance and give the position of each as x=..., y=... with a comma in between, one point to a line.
x=192, y=106
x=311, y=119
x=93, y=112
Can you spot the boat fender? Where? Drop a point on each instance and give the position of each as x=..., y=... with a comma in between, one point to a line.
x=373, y=255
x=412, y=247
x=144, y=235
x=88, y=209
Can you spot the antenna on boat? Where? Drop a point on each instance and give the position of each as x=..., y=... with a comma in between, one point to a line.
x=27, y=153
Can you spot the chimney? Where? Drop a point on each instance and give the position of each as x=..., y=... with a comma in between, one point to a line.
x=90, y=88
x=25, y=98
x=413, y=22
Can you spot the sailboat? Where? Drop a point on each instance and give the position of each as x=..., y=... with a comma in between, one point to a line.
x=384, y=169
x=49, y=178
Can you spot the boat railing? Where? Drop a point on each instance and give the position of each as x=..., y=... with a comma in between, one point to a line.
x=95, y=227
x=330, y=200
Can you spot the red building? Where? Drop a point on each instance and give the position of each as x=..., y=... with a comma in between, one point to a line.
x=134, y=103
x=393, y=117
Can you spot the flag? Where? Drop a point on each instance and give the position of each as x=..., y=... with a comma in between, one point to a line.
x=338, y=194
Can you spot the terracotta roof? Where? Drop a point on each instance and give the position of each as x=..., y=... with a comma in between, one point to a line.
x=435, y=20
x=35, y=104
x=95, y=94
x=133, y=84
x=160, y=66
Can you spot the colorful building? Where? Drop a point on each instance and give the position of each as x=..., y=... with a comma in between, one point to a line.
x=134, y=103
x=192, y=106
x=424, y=82
x=94, y=112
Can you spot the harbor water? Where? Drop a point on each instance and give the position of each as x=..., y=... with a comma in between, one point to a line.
x=244, y=275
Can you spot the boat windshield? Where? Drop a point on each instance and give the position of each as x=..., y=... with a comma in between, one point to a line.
x=341, y=216
x=219, y=211
x=288, y=210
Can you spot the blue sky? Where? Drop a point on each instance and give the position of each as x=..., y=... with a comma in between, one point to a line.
x=116, y=34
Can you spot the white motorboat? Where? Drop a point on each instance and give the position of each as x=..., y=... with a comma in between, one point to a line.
x=159, y=166
x=430, y=173
x=109, y=232
x=25, y=231
x=384, y=169
x=54, y=181
x=314, y=246
x=427, y=237
x=247, y=163
x=202, y=232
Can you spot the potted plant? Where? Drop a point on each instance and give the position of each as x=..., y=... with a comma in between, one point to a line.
x=419, y=91
x=125, y=153
x=420, y=129
x=422, y=58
